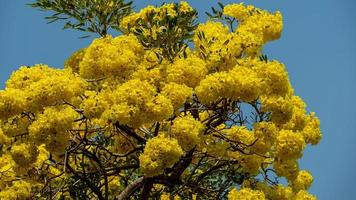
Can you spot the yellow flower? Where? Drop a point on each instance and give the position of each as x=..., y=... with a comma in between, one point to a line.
x=289, y=145
x=303, y=181
x=178, y=94
x=160, y=153
x=188, y=71
x=187, y=131
x=246, y=194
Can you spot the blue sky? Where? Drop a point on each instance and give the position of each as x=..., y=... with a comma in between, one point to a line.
x=318, y=46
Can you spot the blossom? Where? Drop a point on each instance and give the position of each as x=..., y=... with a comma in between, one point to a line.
x=246, y=194
x=160, y=153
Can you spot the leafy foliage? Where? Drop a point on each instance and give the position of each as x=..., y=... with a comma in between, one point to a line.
x=96, y=16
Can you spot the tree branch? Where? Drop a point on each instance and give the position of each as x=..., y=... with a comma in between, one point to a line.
x=130, y=189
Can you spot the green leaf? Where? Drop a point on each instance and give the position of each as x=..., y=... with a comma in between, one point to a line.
x=221, y=5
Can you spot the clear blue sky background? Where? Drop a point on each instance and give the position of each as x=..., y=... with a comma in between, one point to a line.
x=318, y=47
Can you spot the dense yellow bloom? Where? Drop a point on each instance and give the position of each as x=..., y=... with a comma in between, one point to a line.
x=6, y=170
x=286, y=168
x=240, y=83
x=274, y=77
x=15, y=126
x=12, y=102
x=241, y=135
x=281, y=192
x=94, y=105
x=160, y=153
x=289, y=145
x=187, y=131
x=299, y=116
x=136, y=102
x=111, y=57
x=246, y=194
x=257, y=21
x=185, y=7
x=128, y=22
x=51, y=128
x=188, y=71
x=304, y=195
x=281, y=108
x=114, y=184
x=302, y=181
x=266, y=135
x=214, y=87
x=32, y=88
x=311, y=132
x=247, y=84
x=178, y=94
x=74, y=60
x=3, y=138
x=18, y=190
x=250, y=163
x=24, y=154
x=238, y=11
x=153, y=22
x=43, y=155
x=166, y=196
x=209, y=40
x=151, y=69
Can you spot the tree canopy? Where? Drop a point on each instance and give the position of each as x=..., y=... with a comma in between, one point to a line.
x=169, y=109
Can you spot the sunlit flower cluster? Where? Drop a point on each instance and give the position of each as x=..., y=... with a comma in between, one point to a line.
x=160, y=152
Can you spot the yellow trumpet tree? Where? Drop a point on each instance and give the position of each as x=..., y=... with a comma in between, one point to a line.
x=169, y=109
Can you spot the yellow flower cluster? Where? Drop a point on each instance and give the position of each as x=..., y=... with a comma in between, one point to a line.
x=160, y=153
x=18, y=190
x=311, y=132
x=185, y=7
x=274, y=77
x=24, y=154
x=209, y=40
x=12, y=102
x=166, y=196
x=4, y=140
x=303, y=181
x=114, y=184
x=177, y=93
x=94, y=105
x=240, y=83
x=246, y=194
x=259, y=22
x=277, y=192
x=266, y=134
x=128, y=23
x=241, y=135
x=51, y=128
x=136, y=102
x=188, y=71
x=32, y=88
x=111, y=58
x=187, y=131
x=286, y=168
x=15, y=126
x=280, y=107
x=304, y=195
x=289, y=145
x=238, y=11
x=74, y=60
